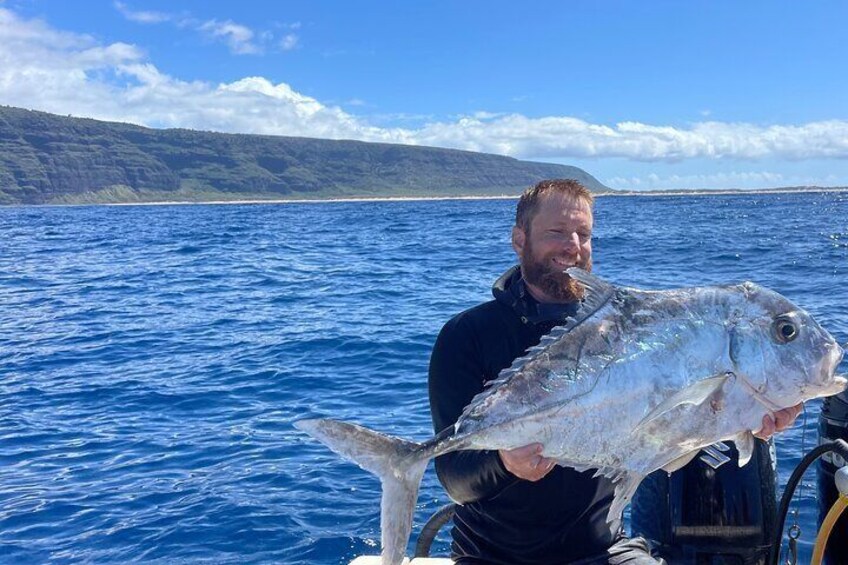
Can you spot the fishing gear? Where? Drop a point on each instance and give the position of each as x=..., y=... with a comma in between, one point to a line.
x=840, y=447
x=832, y=516
x=428, y=533
x=833, y=425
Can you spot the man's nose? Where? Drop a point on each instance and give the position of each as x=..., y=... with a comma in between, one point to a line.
x=572, y=243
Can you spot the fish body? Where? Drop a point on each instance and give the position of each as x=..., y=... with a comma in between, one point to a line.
x=636, y=381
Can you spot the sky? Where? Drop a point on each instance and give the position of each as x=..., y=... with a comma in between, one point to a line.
x=641, y=94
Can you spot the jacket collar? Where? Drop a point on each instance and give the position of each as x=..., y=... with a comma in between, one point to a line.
x=511, y=290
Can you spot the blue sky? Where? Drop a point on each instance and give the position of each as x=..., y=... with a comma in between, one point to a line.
x=640, y=94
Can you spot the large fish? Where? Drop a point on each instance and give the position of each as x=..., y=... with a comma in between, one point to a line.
x=636, y=381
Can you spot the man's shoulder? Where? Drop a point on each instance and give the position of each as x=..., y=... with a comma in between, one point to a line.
x=482, y=311
x=481, y=317
x=488, y=335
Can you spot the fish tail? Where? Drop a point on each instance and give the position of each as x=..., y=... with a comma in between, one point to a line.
x=399, y=463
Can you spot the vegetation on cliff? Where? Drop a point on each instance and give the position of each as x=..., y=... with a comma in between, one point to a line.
x=45, y=158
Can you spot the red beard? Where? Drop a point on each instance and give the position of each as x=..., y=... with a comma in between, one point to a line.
x=543, y=274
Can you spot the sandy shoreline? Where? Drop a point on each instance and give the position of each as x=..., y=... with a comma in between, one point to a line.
x=619, y=194
x=304, y=200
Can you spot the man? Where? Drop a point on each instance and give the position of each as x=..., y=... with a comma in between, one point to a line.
x=518, y=507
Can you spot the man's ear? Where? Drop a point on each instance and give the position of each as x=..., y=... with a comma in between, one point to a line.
x=518, y=240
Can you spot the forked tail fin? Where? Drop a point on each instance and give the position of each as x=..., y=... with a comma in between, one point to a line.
x=400, y=465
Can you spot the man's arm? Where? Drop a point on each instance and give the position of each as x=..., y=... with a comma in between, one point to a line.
x=456, y=375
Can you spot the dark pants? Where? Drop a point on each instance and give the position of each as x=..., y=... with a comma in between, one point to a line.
x=625, y=551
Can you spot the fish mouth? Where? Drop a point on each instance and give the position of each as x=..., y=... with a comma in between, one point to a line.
x=839, y=384
x=836, y=352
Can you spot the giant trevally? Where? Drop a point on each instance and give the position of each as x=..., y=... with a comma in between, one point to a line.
x=636, y=381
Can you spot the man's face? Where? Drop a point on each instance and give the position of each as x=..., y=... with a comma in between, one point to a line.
x=560, y=236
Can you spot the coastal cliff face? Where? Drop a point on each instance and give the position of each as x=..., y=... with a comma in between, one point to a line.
x=45, y=158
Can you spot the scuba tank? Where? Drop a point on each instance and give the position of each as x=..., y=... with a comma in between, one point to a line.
x=711, y=512
x=833, y=424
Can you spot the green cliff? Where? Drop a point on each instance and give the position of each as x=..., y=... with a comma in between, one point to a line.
x=45, y=158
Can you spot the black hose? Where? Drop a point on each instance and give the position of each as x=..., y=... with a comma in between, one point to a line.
x=839, y=446
x=431, y=528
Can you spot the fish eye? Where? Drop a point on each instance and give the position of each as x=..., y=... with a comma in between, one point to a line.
x=785, y=329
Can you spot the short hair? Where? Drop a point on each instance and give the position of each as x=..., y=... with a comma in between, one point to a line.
x=528, y=203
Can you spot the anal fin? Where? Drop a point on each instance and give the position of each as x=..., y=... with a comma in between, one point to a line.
x=625, y=488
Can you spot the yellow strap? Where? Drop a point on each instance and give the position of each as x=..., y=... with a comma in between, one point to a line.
x=826, y=527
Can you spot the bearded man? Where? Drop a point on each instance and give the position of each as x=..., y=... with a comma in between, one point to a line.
x=515, y=506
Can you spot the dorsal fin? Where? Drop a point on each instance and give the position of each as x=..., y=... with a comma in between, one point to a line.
x=598, y=292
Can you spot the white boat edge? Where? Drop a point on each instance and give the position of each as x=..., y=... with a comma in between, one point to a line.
x=375, y=560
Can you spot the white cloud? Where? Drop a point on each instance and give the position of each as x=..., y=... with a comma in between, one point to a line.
x=734, y=179
x=238, y=37
x=66, y=73
x=483, y=115
x=557, y=137
x=142, y=17
x=289, y=42
x=722, y=180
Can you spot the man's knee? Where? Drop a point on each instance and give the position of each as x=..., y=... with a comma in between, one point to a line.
x=632, y=551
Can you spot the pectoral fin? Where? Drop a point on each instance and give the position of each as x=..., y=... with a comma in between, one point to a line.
x=745, y=445
x=695, y=394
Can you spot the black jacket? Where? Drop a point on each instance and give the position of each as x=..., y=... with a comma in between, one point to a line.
x=503, y=519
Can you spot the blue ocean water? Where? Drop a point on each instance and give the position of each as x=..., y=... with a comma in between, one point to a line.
x=153, y=358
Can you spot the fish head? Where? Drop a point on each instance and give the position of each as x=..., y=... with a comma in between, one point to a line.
x=781, y=352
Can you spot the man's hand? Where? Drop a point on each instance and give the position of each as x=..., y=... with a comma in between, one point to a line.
x=782, y=420
x=527, y=462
